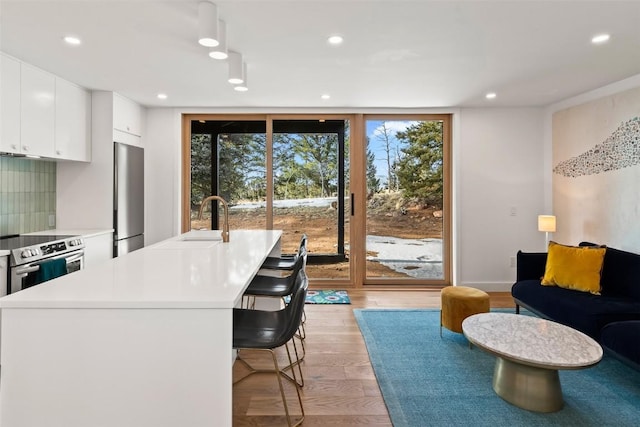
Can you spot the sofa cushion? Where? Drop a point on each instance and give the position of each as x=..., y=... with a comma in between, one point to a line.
x=621, y=338
x=621, y=274
x=530, y=265
x=583, y=311
x=576, y=268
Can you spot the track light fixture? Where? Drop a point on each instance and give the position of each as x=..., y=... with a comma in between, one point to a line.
x=236, y=68
x=220, y=51
x=208, y=24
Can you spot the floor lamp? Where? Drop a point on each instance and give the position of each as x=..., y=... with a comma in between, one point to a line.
x=547, y=223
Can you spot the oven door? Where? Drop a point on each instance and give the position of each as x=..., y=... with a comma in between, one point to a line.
x=22, y=276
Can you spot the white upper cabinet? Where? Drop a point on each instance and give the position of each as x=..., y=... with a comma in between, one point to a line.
x=127, y=115
x=37, y=111
x=73, y=122
x=41, y=114
x=9, y=105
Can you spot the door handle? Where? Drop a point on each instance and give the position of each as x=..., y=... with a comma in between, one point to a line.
x=352, y=207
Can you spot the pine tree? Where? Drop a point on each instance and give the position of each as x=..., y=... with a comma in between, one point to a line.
x=420, y=167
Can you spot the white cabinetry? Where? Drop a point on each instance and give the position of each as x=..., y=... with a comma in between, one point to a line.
x=37, y=111
x=41, y=114
x=127, y=115
x=97, y=249
x=72, y=135
x=9, y=105
x=77, y=207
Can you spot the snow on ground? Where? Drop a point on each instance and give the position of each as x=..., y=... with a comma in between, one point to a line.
x=320, y=202
x=419, y=258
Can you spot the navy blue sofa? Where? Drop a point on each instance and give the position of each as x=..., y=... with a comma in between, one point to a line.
x=612, y=318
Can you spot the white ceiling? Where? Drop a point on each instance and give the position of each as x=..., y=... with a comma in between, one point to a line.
x=396, y=54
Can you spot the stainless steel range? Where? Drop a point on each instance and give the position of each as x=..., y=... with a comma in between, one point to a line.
x=29, y=255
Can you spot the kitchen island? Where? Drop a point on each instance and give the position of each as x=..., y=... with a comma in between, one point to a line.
x=141, y=340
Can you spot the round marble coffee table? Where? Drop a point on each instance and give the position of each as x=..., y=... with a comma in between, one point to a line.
x=530, y=351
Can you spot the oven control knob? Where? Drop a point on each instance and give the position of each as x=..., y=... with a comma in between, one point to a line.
x=26, y=253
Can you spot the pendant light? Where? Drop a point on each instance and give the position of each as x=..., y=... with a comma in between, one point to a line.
x=220, y=51
x=208, y=24
x=242, y=87
x=236, y=68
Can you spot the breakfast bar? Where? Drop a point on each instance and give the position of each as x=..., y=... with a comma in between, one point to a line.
x=140, y=340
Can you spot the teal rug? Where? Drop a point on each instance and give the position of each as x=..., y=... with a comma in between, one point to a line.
x=327, y=297
x=431, y=381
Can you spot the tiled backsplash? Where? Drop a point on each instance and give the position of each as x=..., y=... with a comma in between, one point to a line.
x=27, y=195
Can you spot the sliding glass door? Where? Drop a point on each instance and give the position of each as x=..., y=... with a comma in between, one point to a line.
x=407, y=212
x=310, y=175
x=286, y=173
x=372, y=193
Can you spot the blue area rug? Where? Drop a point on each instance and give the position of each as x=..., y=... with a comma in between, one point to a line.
x=327, y=297
x=431, y=381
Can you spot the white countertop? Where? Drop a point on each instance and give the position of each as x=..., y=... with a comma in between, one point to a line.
x=84, y=232
x=170, y=274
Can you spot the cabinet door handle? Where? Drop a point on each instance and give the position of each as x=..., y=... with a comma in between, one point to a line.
x=14, y=147
x=58, y=152
x=25, y=147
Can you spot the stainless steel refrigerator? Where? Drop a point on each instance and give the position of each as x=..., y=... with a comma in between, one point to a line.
x=128, y=198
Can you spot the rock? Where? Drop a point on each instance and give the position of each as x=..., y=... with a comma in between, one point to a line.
x=437, y=214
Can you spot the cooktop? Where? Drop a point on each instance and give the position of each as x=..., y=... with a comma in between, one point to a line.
x=16, y=241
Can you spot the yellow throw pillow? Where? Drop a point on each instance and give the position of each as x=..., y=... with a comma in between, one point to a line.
x=576, y=268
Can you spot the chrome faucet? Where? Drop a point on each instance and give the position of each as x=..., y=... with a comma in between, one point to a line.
x=225, y=226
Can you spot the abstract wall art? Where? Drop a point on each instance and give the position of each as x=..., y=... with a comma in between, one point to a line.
x=620, y=150
x=596, y=171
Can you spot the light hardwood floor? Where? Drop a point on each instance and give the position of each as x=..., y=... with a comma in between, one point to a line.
x=340, y=386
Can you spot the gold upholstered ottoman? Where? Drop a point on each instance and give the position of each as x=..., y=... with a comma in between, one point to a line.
x=460, y=302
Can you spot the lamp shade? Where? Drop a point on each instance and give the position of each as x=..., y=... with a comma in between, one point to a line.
x=208, y=24
x=547, y=223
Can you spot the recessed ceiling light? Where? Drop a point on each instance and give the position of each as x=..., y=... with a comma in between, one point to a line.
x=325, y=96
x=162, y=96
x=600, y=38
x=72, y=40
x=490, y=95
x=241, y=88
x=335, y=40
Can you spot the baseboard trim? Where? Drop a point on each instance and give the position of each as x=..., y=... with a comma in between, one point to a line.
x=489, y=286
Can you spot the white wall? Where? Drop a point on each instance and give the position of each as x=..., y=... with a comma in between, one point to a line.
x=499, y=171
x=601, y=207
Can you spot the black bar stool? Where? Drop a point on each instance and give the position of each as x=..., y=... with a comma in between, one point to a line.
x=281, y=287
x=269, y=330
x=285, y=262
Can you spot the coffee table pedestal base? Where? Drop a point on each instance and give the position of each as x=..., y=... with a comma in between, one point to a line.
x=534, y=389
